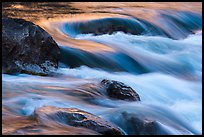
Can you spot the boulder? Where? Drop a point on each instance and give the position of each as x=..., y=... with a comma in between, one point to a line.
x=27, y=48
x=77, y=118
x=136, y=124
x=119, y=90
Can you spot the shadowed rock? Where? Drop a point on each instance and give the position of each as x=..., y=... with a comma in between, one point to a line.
x=105, y=26
x=134, y=26
x=135, y=124
x=27, y=48
x=119, y=90
x=77, y=118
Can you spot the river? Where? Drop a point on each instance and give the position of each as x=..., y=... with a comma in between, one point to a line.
x=157, y=52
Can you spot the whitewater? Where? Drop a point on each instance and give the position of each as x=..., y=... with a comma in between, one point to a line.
x=163, y=68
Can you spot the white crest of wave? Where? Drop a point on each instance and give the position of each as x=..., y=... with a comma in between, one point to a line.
x=156, y=52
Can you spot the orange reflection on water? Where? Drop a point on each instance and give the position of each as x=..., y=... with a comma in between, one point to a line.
x=53, y=28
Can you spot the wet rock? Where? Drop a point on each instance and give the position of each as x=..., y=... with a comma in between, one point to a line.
x=108, y=26
x=77, y=118
x=13, y=124
x=119, y=90
x=135, y=124
x=27, y=48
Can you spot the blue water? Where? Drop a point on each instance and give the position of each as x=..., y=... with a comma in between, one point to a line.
x=170, y=89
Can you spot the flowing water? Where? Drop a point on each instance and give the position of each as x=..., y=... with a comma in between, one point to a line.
x=159, y=55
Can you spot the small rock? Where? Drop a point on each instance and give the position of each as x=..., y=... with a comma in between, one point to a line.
x=119, y=90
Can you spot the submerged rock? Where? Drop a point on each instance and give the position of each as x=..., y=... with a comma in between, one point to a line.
x=106, y=26
x=26, y=125
x=119, y=90
x=136, y=124
x=77, y=118
x=139, y=126
x=27, y=48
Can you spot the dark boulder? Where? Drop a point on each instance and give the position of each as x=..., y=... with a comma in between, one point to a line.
x=136, y=124
x=27, y=48
x=119, y=90
x=77, y=118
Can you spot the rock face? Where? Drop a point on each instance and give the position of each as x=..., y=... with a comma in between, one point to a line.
x=77, y=118
x=119, y=90
x=27, y=48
